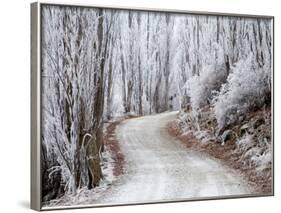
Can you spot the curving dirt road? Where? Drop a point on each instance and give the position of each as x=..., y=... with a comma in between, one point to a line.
x=158, y=167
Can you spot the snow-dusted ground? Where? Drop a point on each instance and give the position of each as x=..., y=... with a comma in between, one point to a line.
x=85, y=196
x=158, y=167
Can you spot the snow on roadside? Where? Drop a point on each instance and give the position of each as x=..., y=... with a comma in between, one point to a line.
x=189, y=124
x=86, y=196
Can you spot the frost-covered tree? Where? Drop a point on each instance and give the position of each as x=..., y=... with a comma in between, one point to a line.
x=73, y=81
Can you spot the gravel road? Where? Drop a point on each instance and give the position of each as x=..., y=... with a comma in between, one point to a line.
x=159, y=167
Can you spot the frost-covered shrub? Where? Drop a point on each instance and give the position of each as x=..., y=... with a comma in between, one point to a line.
x=212, y=75
x=202, y=87
x=247, y=88
x=259, y=155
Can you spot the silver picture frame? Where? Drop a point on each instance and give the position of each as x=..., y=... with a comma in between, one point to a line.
x=36, y=102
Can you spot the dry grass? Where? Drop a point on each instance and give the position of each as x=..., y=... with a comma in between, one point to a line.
x=111, y=142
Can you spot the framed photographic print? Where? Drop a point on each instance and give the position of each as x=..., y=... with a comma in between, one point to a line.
x=137, y=105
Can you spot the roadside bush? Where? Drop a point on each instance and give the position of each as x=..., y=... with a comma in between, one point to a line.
x=201, y=88
x=248, y=88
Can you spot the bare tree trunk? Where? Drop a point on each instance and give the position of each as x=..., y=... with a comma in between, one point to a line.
x=96, y=145
x=123, y=74
x=130, y=83
x=156, y=97
x=140, y=86
x=93, y=161
x=124, y=82
x=167, y=64
x=109, y=88
x=129, y=96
